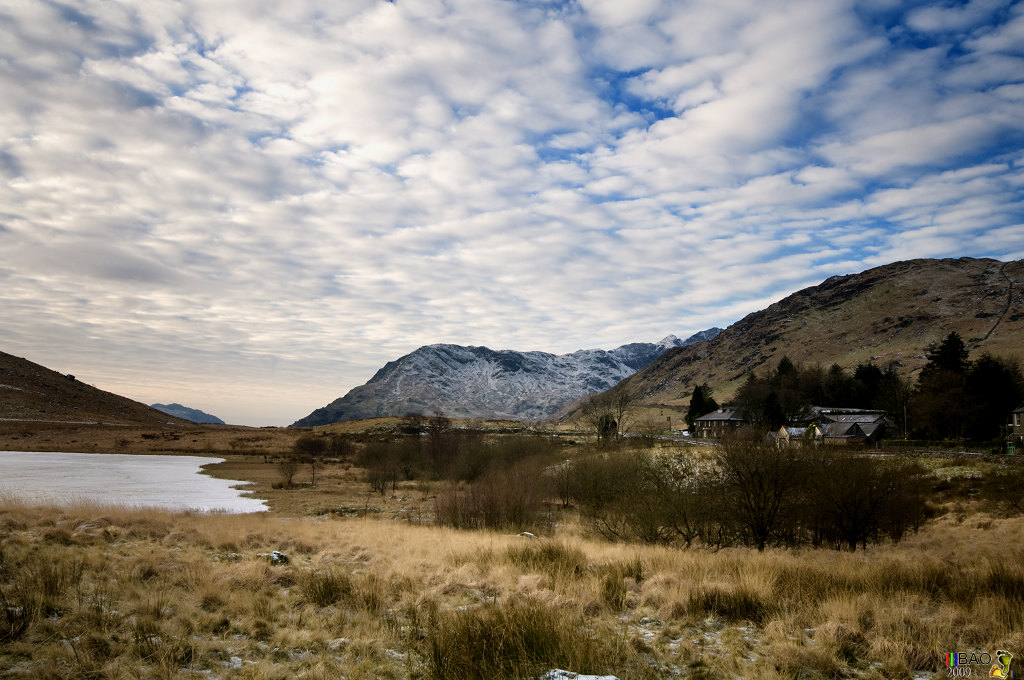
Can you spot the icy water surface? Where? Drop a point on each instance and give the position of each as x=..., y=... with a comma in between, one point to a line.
x=170, y=482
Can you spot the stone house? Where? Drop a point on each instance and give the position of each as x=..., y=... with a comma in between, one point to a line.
x=1015, y=435
x=718, y=424
x=788, y=437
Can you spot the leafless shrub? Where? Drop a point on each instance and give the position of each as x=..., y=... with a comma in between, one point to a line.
x=288, y=466
x=753, y=494
x=633, y=495
x=382, y=473
x=511, y=499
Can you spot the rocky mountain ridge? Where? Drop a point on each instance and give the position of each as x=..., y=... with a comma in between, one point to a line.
x=478, y=382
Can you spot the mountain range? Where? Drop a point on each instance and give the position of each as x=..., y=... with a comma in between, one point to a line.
x=889, y=315
x=478, y=382
x=192, y=414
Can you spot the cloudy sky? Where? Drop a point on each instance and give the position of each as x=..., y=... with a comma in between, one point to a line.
x=248, y=207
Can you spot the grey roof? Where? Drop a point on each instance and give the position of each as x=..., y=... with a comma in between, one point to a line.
x=869, y=429
x=840, y=410
x=856, y=417
x=721, y=415
x=839, y=429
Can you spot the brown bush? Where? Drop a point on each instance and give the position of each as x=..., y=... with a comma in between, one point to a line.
x=513, y=499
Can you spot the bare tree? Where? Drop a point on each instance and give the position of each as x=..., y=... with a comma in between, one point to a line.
x=382, y=473
x=339, y=446
x=762, y=483
x=649, y=428
x=593, y=412
x=288, y=466
x=623, y=405
x=310, y=448
x=439, y=443
x=606, y=413
x=855, y=497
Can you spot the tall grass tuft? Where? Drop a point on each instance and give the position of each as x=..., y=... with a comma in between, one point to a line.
x=518, y=640
x=549, y=557
x=18, y=607
x=731, y=603
x=326, y=587
x=37, y=583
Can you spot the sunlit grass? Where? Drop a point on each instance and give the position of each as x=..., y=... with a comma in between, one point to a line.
x=105, y=592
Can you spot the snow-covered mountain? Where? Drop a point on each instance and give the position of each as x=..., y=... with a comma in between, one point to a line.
x=477, y=382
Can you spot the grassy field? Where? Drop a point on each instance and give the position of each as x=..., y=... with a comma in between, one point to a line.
x=372, y=589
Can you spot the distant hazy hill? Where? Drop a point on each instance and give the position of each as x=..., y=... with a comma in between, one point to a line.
x=892, y=313
x=193, y=414
x=477, y=382
x=29, y=391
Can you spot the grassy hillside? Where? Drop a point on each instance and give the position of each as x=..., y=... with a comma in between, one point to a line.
x=30, y=392
x=893, y=313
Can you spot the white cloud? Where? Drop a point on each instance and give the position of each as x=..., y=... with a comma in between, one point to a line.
x=275, y=199
x=921, y=145
x=1007, y=37
x=959, y=18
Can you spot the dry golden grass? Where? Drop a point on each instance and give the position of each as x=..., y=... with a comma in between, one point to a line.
x=111, y=593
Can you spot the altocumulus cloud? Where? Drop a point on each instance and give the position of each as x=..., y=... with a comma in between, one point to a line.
x=248, y=207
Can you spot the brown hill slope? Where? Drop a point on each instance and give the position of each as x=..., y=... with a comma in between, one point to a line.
x=31, y=392
x=892, y=313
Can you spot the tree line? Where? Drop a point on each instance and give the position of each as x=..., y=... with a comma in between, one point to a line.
x=956, y=398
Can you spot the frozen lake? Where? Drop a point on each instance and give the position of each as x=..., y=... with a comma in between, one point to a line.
x=170, y=482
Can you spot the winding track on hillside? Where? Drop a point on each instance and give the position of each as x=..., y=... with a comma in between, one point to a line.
x=1006, y=308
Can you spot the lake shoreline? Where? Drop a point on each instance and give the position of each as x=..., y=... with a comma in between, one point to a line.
x=165, y=481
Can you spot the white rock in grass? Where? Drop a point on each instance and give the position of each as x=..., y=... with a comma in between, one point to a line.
x=558, y=674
